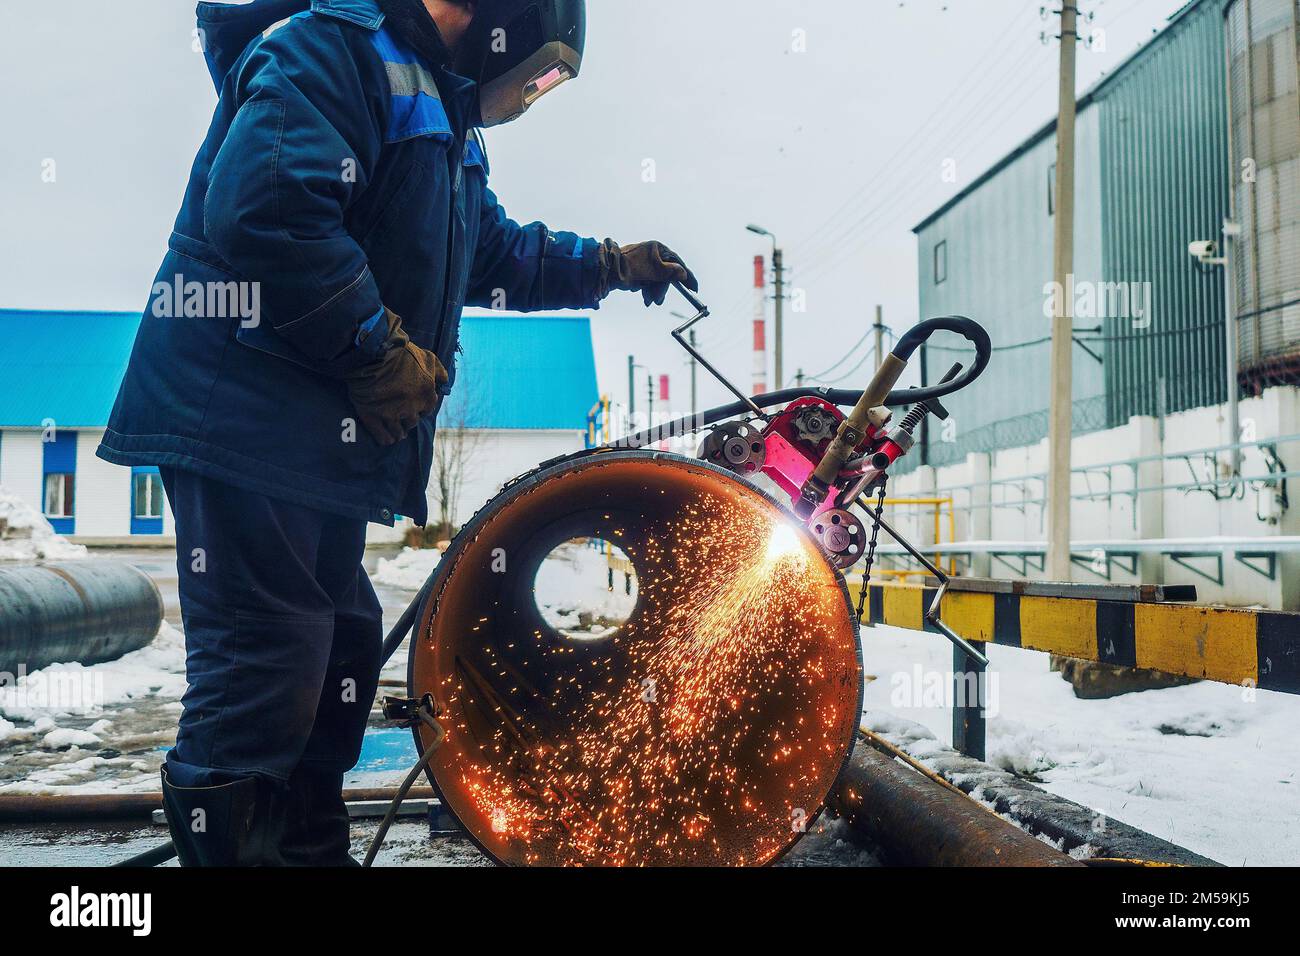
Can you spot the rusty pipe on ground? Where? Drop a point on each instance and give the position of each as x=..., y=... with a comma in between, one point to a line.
x=704, y=727
x=83, y=611
x=919, y=823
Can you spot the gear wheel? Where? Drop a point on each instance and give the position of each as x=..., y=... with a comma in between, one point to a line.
x=736, y=446
x=814, y=424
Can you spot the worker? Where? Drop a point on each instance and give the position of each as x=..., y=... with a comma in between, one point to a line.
x=298, y=341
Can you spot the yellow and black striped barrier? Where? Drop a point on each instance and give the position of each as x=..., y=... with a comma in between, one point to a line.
x=1233, y=645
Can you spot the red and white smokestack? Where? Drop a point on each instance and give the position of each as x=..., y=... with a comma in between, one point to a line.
x=760, y=326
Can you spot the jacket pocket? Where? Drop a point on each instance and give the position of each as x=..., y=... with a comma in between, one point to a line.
x=252, y=329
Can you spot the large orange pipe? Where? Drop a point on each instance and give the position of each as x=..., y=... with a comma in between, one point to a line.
x=708, y=730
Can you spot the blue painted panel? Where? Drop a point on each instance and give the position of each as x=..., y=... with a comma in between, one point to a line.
x=386, y=749
x=61, y=454
x=60, y=458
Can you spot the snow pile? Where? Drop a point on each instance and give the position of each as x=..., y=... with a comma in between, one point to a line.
x=25, y=535
x=1167, y=761
x=409, y=570
x=65, y=738
x=75, y=689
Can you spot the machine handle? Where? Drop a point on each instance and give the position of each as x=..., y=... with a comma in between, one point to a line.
x=877, y=392
x=693, y=299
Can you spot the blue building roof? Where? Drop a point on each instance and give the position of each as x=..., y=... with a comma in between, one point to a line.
x=531, y=372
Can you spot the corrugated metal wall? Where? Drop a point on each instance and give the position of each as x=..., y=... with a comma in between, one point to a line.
x=998, y=248
x=1164, y=170
x=1153, y=176
x=1265, y=109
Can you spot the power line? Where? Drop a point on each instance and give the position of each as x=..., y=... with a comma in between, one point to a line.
x=847, y=355
x=919, y=137
x=1089, y=338
x=735, y=336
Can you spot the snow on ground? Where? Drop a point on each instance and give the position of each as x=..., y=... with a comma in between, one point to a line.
x=93, y=729
x=1212, y=767
x=409, y=570
x=572, y=586
x=574, y=591
x=25, y=535
x=74, y=689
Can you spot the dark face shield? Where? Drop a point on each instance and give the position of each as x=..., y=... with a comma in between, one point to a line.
x=520, y=50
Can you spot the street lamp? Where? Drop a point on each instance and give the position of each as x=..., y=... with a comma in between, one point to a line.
x=778, y=272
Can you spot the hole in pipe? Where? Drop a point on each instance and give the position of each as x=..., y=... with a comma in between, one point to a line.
x=586, y=589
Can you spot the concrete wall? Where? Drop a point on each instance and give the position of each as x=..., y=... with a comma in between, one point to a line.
x=1009, y=480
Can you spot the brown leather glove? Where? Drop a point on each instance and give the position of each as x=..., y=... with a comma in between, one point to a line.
x=648, y=267
x=395, y=391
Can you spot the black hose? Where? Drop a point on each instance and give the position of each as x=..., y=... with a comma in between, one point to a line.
x=407, y=784
x=156, y=856
x=404, y=623
x=848, y=397
x=969, y=329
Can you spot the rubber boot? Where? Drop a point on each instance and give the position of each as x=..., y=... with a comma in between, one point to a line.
x=235, y=824
x=318, y=827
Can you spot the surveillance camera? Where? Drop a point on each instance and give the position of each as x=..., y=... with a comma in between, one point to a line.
x=1203, y=249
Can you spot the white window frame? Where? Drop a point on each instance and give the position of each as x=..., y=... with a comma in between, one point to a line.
x=153, y=495
x=70, y=479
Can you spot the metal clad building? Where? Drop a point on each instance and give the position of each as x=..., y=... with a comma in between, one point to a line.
x=1265, y=139
x=1164, y=169
x=1152, y=176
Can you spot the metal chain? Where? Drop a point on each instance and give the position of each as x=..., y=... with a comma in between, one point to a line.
x=871, y=549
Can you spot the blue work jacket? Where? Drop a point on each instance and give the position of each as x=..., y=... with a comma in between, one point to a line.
x=342, y=174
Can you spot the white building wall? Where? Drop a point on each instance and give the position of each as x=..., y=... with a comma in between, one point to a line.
x=505, y=455
x=103, y=492
x=1016, y=489
x=104, y=489
x=496, y=457
x=22, y=458
x=103, y=506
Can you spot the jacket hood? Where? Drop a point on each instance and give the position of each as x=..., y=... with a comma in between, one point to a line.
x=226, y=29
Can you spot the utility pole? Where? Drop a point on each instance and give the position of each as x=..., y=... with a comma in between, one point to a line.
x=760, y=327
x=1060, y=423
x=798, y=378
x=778, y=267
x=631, y=392
x=694, y=404
x=650, y=394
x=880, y=336
x=1231, y=233
x=778, y=271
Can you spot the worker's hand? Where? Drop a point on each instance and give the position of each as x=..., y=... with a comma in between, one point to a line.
x=399, y=388
x=647, y=267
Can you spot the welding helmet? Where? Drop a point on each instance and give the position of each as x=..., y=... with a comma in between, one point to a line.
x=520, y=50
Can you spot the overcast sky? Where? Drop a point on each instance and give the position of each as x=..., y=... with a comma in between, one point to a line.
x=827, y=121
